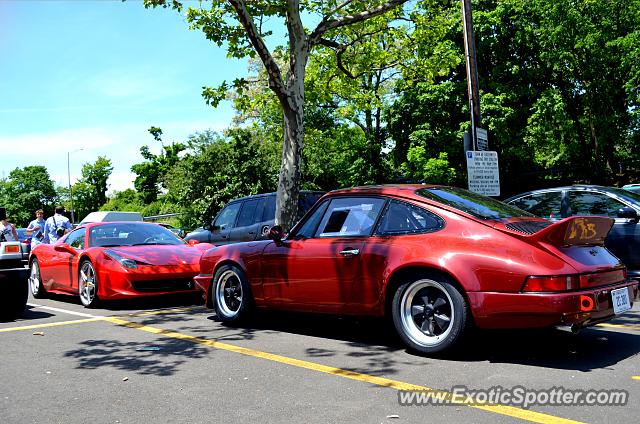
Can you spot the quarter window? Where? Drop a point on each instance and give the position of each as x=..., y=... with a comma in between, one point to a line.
x=246, y=213
x=403, y=218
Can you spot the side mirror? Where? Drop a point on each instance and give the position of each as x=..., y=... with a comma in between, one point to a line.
x=628, y=213
x=276, y=234
x=64, y=247
x=192, y=242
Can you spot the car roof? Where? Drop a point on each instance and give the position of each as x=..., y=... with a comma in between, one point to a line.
x=388, y=189
x=273, y=193
x=592, y=187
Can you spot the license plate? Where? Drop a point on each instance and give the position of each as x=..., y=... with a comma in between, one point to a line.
x=620, y=300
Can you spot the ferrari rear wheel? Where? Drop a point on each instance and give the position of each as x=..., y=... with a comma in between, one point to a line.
x=88, y=284
x=35, y=280
x=430, y=315
x=231, y=294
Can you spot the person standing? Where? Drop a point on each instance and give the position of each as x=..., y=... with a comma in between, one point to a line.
x=35, y=229
x=56, y=226
x=7, y=230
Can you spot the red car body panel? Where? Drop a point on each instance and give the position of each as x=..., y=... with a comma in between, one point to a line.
x=487, y=259
x=161, y=269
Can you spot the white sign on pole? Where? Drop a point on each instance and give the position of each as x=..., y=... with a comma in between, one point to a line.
x=482, y=139
x=483, y=172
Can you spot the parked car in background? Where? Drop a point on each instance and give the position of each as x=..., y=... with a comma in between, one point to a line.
x=111, y=216
x=115, y=260
x=26, y=242
x=248, y=218
x=632, y=187
x=177, y=231
x=622, y=205
x=13, y=281
x=433, y=259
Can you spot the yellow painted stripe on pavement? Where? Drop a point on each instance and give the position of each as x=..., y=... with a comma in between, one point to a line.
x=51, y=324
x=636, y=377
x=625, y=326
x=510, y=411
x=164, y=311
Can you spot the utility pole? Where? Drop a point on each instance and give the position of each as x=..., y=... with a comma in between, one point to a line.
x=472, y=75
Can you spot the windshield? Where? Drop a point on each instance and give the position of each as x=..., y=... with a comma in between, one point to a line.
x=131, y=234
x=480, y=206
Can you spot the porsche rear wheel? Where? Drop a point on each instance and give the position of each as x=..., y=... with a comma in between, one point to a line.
x=231, y=294
x=88, y=284
x=429, y=314
x=35, y=280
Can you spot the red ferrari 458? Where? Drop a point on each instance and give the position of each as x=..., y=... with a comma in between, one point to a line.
x=115, y=260
x=434, y=259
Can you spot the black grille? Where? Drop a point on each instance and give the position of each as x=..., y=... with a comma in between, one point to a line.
x=528, y=227
x=163, y=285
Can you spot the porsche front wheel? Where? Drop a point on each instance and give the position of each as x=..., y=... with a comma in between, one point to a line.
x=430, y=315
x=88, y=284
x=231, y=294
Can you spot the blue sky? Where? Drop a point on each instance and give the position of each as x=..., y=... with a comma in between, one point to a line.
x=95, y=75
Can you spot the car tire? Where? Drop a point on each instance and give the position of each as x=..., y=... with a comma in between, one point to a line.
x=429, y=314
x=231, y=294
x=14, y=300
x=35, y=280
x=88, y=284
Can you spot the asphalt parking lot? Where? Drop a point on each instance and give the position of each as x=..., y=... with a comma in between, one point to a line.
x=170, y=361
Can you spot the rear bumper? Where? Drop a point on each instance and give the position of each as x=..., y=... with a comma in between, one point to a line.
x=531, y=310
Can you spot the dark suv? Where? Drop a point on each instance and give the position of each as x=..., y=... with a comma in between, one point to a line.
x=248, y=218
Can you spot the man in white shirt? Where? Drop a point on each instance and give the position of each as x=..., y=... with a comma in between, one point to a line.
x=56, y=226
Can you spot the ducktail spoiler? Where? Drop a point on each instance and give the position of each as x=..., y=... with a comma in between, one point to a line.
x=575, y=231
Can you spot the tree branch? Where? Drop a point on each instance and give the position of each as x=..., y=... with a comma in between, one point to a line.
x=273, y=70
x=328, y=24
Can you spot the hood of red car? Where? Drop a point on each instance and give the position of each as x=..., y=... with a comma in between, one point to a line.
x=160, y=255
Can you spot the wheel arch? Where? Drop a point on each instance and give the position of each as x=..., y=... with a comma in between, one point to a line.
x=402, y=274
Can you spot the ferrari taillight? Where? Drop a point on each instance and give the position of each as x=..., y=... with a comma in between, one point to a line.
x=552, y=284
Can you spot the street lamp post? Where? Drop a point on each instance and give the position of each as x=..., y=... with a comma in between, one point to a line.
x=73, y=221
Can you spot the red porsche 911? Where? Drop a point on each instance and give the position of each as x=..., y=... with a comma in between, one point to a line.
x=115, y=260
x=434, y=259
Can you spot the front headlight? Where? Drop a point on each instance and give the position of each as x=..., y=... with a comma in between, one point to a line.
x=125, y=262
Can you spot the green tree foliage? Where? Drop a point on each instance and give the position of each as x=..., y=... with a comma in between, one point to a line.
x=90, y=191
x=219, y=168
x=25, y=191
x=151, y=174
x=126, y=200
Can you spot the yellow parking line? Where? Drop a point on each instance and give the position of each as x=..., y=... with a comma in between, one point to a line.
x=51, y=324
x=625, y=326
x=164, y=311
x=510, y=411
x=636, y=377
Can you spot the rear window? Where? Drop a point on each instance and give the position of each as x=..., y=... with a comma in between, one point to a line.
x=480, y=206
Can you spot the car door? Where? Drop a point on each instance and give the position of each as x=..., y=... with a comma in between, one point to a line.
x=246, y=228
x=223, y=223
x=316, y=269
x=64, y=260
x=624, y=238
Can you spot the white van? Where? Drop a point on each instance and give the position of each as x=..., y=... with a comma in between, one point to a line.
x=109, y=216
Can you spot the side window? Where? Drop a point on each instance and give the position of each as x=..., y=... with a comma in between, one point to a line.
x=403, y=218
x=589, y=203
x=269, y=212
x=546, y=205
x=353, y=216
x=247, y=212
x=257, y=217
x=75, y=239
x=227, y=216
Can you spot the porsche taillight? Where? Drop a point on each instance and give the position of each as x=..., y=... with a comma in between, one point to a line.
x=560, y=283
x=552, y=284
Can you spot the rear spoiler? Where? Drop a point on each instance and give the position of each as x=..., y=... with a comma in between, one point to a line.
x=575, y=231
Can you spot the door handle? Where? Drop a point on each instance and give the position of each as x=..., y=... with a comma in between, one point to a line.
x=350, y=252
